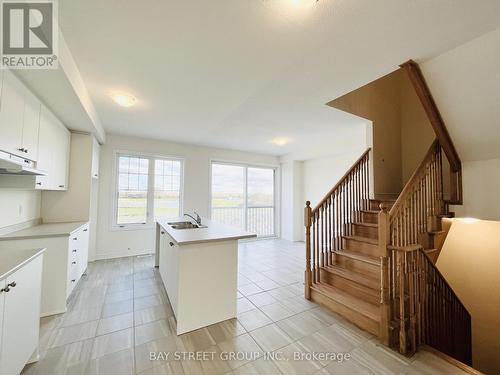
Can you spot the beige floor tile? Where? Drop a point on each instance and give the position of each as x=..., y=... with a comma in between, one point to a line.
x=294, y=365
x=151, y=314
x=244, y=305
x=261, y=299
x=249, y=289
x=79, y=332
x=121, y=362
x=347, y=367
x=173, y=368
x=225, y=330
x=152, y=331
x=113, y=342
x=80, y=316
x=253, y=319
x=148, y=301
x=197, y=340
x=244, y=344
x=258, y=367
x=300, y=325
x=115, y=323
x=119, y=296
x=271, y=337
x=117, y=308
x=277, y=311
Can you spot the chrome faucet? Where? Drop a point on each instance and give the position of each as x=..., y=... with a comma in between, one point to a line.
x=197, y=219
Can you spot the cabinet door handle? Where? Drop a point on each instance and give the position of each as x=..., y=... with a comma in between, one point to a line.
x=171, y=244
x=73, y=280
x=61, y=186
x=85, y=230
x=12, y=284
x=74, y=251
x=75, y=238
x=73, y=262
x=6, y=289
x=26, y=150
x=162, y=232
x=20, y=149
x=39, y=183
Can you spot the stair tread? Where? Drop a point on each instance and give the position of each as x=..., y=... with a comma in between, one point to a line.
x=359, y=256
x=427, y=251
x=370, y=211
x=354, y=276
x=372, y=225
x=365, y=308
x=371, y=241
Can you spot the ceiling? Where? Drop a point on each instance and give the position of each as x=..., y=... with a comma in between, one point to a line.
x=236, y=74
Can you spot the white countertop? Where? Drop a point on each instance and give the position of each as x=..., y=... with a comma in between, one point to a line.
x=214, y=231
x=12, y=260
x=44, y=230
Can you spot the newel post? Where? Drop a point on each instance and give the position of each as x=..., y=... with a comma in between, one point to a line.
x=308, y=274
x=384, y=234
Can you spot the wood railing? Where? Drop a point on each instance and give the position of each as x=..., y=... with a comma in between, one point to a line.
x=331, y=218
x=424, y=307
x=418, y=306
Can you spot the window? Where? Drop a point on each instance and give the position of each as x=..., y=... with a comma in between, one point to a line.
x=148, y=188
x=244, y=196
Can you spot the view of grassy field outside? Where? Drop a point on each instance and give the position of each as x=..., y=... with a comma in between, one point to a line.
x=244, y=197
x=133, y=189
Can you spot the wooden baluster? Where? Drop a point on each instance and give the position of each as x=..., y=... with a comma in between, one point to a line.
x=383, y=241
x=401, y=296
x=322, y=213
x=308, y=272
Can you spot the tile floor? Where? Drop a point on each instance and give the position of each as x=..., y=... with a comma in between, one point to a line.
x=120, y=313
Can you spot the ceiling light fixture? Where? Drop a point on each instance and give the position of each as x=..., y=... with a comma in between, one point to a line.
x=123, y=99
x=280, y=141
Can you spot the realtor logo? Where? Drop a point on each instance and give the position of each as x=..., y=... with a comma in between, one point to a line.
x=29, y=34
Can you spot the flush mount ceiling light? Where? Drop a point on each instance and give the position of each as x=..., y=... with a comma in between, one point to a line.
x=280, y=141
x=123, y=99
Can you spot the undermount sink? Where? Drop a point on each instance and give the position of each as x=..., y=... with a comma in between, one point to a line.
x=185, y=225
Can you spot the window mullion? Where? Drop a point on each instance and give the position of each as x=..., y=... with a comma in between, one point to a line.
x=150, y=195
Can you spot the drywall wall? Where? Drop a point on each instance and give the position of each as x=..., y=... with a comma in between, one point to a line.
x=402, y=133
x=469, y=261
x=292, y=198
x=416, y=131
x=320, y=175
x=119, y=243
x=481, y=198
x=379, y=102
x=18, y=206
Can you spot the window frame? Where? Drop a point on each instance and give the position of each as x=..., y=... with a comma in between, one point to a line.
x=276, y=192
x=150, y=220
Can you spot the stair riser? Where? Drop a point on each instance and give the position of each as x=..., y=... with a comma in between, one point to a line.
x=353, y=316
x=375, y=205
x=355, y=265
x=351, y=287
x=364, y=231
x=369, y=217
x=361, y=247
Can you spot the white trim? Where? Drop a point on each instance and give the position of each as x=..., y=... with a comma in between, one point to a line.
x=114, y=226
x=276, y=193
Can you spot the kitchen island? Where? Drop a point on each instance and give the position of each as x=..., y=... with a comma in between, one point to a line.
x=199, y=268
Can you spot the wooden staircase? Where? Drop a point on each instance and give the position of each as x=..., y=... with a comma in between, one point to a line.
x=372, y=260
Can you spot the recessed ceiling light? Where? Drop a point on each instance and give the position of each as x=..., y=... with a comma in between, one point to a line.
x=280, y=141
x=123, y=99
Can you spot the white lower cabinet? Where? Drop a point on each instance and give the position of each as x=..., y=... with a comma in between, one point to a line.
x=20, y=316
x=65, y=262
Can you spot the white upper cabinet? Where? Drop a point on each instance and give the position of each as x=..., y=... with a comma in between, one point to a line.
x=11, y=115
x=53, y=153
x=31, y=125
x=96, y=148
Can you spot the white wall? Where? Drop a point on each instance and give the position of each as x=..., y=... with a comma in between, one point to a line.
x=481, y=180
x=292, y=198
x=196, y=187
x=18, y=206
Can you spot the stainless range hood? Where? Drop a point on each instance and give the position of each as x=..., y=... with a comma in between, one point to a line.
x=14, y=165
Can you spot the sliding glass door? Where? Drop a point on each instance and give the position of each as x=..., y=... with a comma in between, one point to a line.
x=244, y=196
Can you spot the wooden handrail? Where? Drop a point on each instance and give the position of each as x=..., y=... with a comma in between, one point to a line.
x=422, y=90
x=349, y=171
